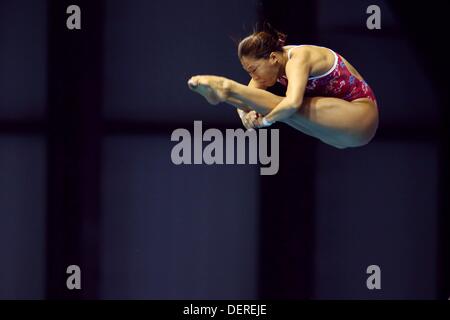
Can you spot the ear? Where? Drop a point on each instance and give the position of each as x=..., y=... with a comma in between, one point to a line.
x=273, y=58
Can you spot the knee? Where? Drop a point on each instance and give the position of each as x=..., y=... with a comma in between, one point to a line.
x=359, y=138
x=350, y=144
x=356, y=140
x=359, y=142
x=338, y=146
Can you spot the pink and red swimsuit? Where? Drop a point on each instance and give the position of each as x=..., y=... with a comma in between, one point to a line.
x=338, y=82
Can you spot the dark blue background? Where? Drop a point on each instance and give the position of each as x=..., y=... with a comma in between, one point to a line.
x=86, y=176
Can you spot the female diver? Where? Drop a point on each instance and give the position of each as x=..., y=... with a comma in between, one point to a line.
x=325, y=97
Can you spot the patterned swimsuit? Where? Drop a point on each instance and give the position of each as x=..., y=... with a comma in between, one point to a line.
x=338, y=82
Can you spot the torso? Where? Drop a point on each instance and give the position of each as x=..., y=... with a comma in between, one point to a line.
x=322, y=60
x=331, y=75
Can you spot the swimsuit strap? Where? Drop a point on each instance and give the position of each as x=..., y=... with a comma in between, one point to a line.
x=326, y=73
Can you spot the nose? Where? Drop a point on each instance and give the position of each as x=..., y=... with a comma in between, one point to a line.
x=259, y=80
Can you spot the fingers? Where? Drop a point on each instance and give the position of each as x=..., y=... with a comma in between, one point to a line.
x=241, y=113
x=246, y=122
x=254, y=120
x=251, y=120
x=260, y=123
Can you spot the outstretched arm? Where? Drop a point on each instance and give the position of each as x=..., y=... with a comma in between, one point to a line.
x=297, y=71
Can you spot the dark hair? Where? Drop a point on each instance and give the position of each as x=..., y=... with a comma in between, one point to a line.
x=261, y=43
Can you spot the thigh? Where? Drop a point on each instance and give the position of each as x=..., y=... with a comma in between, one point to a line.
x=358, y=117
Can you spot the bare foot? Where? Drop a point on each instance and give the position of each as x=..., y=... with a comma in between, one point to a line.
x=214, y=89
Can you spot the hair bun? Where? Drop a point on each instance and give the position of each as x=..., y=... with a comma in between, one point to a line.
x=278, y=36
x=264, y=40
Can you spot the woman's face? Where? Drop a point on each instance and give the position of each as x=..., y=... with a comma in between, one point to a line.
x=262, y=71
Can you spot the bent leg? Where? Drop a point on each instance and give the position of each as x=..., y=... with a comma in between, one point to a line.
x=306, y=127
x=347, y=123
x=334, y=121
x=271, y=102
x=219, y=89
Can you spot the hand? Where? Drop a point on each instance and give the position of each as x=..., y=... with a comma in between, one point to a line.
x=262, y=122
x=251, y=120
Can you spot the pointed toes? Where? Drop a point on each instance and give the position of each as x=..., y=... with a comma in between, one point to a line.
x=193, y=82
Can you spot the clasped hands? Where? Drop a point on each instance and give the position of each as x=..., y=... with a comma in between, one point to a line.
x=253, y=119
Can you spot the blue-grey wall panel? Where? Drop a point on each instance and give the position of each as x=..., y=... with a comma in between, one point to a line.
x=23, y=59
x=377, y=205
x=152, y=48
x=22, y=217
x=176, y=232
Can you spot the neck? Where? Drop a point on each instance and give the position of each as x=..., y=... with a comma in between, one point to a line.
x=283, y=59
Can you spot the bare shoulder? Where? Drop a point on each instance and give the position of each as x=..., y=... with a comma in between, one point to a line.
x=315, y=52
x=321, y=59
x=295, y=51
